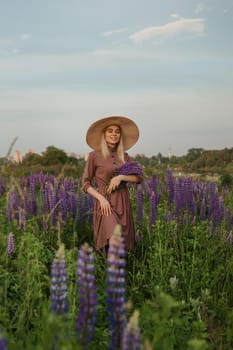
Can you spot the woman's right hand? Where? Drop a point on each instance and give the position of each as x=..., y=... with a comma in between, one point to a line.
x=104, y=203
x=105, y=206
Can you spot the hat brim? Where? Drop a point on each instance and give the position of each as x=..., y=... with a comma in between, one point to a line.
x=129, y=130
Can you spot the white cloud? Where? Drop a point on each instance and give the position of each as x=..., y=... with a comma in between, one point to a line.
x=180, y=26
x=115, y=31
x=175, y=15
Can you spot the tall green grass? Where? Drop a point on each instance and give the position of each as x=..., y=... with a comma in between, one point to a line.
x=179, y=276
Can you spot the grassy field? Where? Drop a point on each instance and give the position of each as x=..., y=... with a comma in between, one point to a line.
x=176, y=283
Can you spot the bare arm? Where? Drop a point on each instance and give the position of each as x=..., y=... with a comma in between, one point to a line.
x=116, y=180
x=129, y=178
x=104, y=203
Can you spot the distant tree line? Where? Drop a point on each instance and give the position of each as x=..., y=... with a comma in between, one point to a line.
x=52, y=160
x=196, y=160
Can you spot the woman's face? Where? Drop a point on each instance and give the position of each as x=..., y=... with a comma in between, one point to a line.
x=112, y=135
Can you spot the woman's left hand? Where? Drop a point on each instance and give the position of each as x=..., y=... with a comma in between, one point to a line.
x=114, y=184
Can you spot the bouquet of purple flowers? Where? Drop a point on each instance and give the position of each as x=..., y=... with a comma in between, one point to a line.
x=129, y=168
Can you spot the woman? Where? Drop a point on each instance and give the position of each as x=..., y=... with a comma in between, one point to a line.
x=109, y=138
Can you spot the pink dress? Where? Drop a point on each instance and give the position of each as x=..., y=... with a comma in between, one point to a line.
x=101, y=170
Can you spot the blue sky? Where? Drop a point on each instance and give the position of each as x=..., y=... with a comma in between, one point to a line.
x=166, y=64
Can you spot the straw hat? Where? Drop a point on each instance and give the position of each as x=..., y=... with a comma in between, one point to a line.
x=129, y=131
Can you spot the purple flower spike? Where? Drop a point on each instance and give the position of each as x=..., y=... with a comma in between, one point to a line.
x=3, y=344
x=170, y=186
x=132, y=334
x=87, y=296
x=116, y=288
x=10, y=245
x=59, y=283
x=153, y=208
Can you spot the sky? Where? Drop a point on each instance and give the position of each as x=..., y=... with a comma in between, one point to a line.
x=168, y=65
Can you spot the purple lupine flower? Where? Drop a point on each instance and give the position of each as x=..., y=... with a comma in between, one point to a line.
x=215, y=210
x=203, y=209
x=87, y=296
x=147, y=188
x=3, y=343
x=72, y=203
x=32, y=191
x=179, y=196
x=170, y=186
x=47, y=197
x=42, y=200
x=12, y=204
x=10, y=244
x=189, y=197
x=59, y=283
x=26, y=200
x=132, y=334
x=116, y=288
x=153, y=208
x=153, y=182
x=63, y=202
x=80, y=212
x=211, y=188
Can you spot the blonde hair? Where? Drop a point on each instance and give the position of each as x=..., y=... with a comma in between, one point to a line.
x=105, y=150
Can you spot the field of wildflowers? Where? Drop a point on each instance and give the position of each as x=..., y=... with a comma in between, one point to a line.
x=172, y=291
